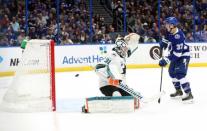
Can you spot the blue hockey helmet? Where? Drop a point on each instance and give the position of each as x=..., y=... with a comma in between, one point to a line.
x=172, y=20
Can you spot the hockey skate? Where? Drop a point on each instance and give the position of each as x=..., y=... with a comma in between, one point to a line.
x=178, y=93
x=188, y=98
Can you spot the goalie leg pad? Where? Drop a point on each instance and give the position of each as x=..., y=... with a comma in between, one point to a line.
x=108, y=104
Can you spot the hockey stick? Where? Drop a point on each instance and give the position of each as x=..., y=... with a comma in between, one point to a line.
x=161, y=51
x=139, y=96
x=161, y=76
x=159, y=100
x=130, y=91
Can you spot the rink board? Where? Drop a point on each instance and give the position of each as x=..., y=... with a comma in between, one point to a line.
x=111, y=104
x=69, y=58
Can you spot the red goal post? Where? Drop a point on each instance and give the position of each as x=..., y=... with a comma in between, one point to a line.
x=52, y=65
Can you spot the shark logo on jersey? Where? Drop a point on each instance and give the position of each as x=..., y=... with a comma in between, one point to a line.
x=155, y=52
x=177, y=36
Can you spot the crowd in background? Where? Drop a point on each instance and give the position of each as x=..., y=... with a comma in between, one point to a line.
x=142, y=17
x=74, y=20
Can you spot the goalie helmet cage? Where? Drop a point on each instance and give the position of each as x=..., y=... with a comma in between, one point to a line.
x=33, y=85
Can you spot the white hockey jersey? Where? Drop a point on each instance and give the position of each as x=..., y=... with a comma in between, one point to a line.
x=115, y=67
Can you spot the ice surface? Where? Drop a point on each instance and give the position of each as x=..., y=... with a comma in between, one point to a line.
x=170, y=115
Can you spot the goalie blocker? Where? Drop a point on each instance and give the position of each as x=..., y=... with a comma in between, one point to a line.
x=110, y=104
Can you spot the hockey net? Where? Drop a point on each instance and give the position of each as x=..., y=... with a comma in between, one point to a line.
x=33, y=86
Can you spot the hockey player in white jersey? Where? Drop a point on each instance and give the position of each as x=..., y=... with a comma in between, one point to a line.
x=112, y=77
x=113, y=71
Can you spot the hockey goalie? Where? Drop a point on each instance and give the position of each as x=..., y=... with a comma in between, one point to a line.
x=113, y=71
x=112, y=74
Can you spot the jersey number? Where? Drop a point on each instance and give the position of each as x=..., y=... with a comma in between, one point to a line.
x=179, y=46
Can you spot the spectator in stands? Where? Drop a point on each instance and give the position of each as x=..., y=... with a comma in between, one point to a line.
x=12, y=39
x=198, y=34
x=41, y=20
x=83, y=39
x=74, y=17
x=15, y=26
x=13, y=8
x=108, y=39
x=204, y=33
x=4, y=41
x=4, y=23
x=149, y=38
x=65, y=39
x=119, y=9
x=20, y=37
x=101, y=39
x=50, y=34
x=33, y=33
x=189, y=37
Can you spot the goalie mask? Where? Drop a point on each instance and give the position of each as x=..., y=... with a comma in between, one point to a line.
x=121, y=47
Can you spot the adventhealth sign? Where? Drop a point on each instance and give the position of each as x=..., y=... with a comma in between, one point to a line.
x=81, y=60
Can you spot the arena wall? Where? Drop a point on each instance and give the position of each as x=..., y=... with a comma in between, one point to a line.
x=84, y=57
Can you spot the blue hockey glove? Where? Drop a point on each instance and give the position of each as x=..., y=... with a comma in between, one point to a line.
x=163, y=62
x=164, y=43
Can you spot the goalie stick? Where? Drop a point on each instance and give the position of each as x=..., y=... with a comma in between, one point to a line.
x=130, y=91
x=133, y=93
x=139, y=96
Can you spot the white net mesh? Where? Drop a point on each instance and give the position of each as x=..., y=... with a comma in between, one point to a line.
x=31, y=86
